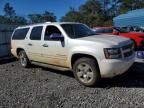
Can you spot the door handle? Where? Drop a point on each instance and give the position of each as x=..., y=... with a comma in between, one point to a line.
x=45, y=45
x=29, y=44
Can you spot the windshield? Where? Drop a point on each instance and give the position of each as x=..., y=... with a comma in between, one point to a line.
x=77, y=30
x=121, y=30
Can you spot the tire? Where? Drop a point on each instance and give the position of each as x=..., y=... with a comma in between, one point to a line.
x=86, y=71
x=24, y=61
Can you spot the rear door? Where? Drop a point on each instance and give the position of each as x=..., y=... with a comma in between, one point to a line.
x=34, y=44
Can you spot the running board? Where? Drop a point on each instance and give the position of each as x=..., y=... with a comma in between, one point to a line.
x=50, y=66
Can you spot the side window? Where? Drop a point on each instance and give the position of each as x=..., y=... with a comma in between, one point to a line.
x=108, y=30
x=50, y=30
x=20, y=34
x=36, y=33
x=69, y=29
x=99, y=30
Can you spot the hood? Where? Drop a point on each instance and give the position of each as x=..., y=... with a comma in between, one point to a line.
x=134, y=34
x=104, y=38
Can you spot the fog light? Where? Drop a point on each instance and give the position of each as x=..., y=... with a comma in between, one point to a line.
x=140, y=54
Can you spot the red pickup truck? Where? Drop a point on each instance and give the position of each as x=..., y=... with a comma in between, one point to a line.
x=137, y=37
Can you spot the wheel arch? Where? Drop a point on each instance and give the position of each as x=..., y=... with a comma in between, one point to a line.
x=18, y=50
x=76, y=56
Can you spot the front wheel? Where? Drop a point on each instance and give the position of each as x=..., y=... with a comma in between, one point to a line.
x=86, y=71
x=24, y=61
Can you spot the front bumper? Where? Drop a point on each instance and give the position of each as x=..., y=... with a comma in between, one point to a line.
x=110, y=68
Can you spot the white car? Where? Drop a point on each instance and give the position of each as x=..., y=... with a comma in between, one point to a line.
x=73, y=46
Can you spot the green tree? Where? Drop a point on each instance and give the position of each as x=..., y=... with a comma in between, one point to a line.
x=34, y=18
x=38, y=18
x=104, y=6
x=72, y=16
x=127, y=5
x=48, y=16
x=91, y=11
x=90, y=7
x=109, y=9
x=88, y=13
x=20, y=20
x=9, y=12
x=95, y=12
x=114, y=8
x=10, y=16
x=3, y=20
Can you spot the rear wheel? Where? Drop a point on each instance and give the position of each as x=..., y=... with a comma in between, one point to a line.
x=86, y=71
x=24, y=61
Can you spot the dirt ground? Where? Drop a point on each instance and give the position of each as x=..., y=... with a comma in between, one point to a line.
x=38, y=87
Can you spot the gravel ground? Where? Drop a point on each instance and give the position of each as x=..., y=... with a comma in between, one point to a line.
x=38, y=87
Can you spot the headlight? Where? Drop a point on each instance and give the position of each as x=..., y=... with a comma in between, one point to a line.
x=112, y=53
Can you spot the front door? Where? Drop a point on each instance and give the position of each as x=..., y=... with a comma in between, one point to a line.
x=54, y=51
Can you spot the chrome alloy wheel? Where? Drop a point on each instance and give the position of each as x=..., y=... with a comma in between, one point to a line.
x=84, y=72
x=23, y=59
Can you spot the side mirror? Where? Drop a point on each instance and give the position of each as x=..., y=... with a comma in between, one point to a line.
x=57, y=36
x=116, y=33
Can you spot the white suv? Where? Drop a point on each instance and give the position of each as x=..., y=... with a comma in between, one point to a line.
x=73, y=46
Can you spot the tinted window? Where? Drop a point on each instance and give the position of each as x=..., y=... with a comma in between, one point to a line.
x=108, y=30
x=51, y=30
x=99, y=30
x=69, y=29
x=103, y=30
x=20, y=34
x=121, y=30
x=36, y=33
x=77, y=30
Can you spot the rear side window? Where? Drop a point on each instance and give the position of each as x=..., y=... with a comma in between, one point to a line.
x=36, y=33
x=20, y=34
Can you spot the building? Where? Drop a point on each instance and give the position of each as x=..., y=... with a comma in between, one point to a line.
x=5, y=37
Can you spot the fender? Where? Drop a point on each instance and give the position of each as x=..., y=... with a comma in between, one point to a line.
x=82, y=50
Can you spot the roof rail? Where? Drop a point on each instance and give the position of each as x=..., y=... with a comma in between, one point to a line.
x=34, y=24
